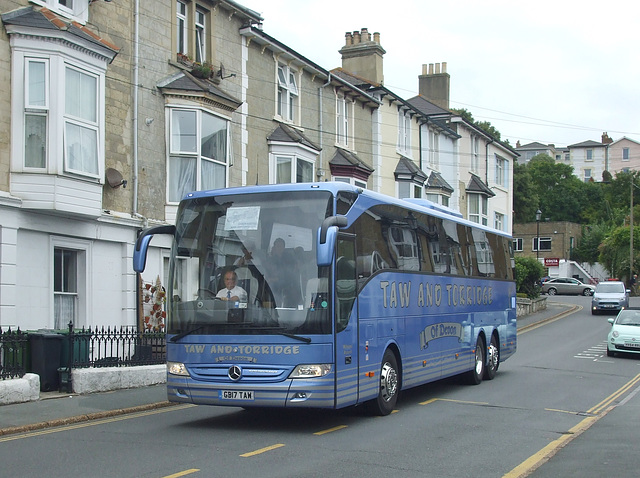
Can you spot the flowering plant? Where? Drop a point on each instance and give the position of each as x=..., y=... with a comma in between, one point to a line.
x=154, y=297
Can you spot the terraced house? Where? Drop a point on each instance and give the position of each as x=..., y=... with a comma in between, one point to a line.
x=117, y=109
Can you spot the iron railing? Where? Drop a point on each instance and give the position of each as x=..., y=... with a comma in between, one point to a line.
x=113, y=347
x=14, y=354
x=84, y=348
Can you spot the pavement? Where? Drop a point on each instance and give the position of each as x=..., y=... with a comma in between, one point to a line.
x=58, y=409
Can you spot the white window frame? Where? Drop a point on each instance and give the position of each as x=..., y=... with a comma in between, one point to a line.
x=475, y=147
x=75, y=120
x=353, y=181
x=517, y=244
x=545, y=243
x=77, y=10
x=587, y=175
x=479, y=205
x=182, y=40
x=287, y=93
x=589, y=155
x=38, y=109
x=404, y=133
x=344, y=115
x=194, y=152
x=502, y=172
x=498, y=221
x=83, y=298
x=625, y=154
x=293, y=171
x=434, y=149
x=58, y=62
x=201, y=35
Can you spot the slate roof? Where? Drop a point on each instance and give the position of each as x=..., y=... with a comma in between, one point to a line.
x=477, y=186
x=349, y=159
x=45, y=19
x=534, y=145
x=436, y=181
x=406, y=166
x=424, y=105
x=587, y=144
x=286, y=134
x=184, y=82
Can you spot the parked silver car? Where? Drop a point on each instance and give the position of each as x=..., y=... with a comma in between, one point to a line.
x=567, y=285
x=610, y=296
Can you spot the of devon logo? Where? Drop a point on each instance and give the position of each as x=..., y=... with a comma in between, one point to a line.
x=440, y=331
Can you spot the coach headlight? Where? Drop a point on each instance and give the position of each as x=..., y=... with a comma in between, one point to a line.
x=311, y=370
x=177, y=368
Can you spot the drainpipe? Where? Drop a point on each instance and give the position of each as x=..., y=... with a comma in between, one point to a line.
x=320, y=126
x=136, y=39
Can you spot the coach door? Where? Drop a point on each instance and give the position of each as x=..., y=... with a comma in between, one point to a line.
x=346, y=322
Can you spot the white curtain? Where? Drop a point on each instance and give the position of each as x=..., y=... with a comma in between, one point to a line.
x=35, y=136
x=182, y=177
x=64, y=310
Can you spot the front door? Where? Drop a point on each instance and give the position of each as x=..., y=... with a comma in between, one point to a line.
x=346, y=322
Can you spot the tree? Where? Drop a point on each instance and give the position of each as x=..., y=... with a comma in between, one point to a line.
x=588, y=250
x=485, y=126
x=525, y=200
x=560, y=193
x=528, y=273
x=615, y=254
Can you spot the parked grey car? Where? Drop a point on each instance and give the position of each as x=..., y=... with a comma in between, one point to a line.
x=567, y=285
x=610, y=296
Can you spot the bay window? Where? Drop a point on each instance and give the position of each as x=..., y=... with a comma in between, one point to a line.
x=292, y=169
x=81, y=122
x=198, y=152
x=478, y=206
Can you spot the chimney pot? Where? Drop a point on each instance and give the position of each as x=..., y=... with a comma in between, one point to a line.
x=356, y=37
x=444, y=67
x=348, y=38
x=365, y=34
x=376, y=37
x=437, y=68
x=431, y=68
x=424, y=69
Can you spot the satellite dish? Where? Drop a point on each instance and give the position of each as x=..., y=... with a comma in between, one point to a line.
x=222, y=73
x=114, y=178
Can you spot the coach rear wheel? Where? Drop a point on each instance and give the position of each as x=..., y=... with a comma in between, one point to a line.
x=474, y=376
x=493, y=359
x=387, y=397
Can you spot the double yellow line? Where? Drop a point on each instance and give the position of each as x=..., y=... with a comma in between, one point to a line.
x=597, y=412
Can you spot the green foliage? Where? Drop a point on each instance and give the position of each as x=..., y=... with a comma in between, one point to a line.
x=588, y=250
x=525, y=199
x=485, y=126
x=615, y=254
x=528, y=273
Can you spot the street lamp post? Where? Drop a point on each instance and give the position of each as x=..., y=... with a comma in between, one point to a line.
x=538, y=216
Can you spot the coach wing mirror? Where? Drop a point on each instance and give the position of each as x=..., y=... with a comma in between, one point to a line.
x=327, y=235
x=142, y=245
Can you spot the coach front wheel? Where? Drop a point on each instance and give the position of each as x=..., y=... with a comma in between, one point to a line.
x=387, y=397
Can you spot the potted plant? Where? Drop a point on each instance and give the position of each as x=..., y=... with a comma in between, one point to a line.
x=202, y=70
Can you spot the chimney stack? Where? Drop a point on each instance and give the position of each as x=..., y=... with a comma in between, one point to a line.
x=606, y=139
x=435, y=85
x=362, y=55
